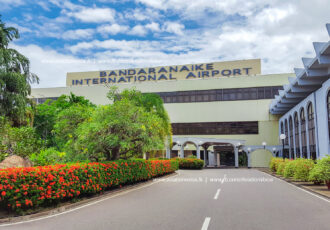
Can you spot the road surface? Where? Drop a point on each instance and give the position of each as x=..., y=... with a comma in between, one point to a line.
x=199, y=200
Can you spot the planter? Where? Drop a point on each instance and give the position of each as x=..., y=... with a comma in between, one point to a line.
x=328, y=183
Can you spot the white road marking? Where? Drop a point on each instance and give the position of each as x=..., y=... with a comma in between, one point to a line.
x=206, y=223
x=83, y=206
x=217, y=194
x=320, y=197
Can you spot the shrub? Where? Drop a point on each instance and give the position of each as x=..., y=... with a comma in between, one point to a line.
x=302, y=169
x=48, y=156
x=289, y=169
x=274, y=163
x=281, y=166
x=27, y=188
x=190, y=163
x=321, y=171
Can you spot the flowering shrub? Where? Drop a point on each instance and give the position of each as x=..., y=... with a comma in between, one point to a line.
x=321, y=171
x=281, y=166
x=190, y=163
x=289, y=169
x=25, y=188
x=302, y=169
x=274, y=162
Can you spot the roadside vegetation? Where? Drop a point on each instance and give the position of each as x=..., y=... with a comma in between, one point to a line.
x=303, y=169
x=77, y=147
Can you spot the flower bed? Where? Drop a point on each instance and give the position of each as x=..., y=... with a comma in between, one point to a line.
x=190, y=163
x=26, y=188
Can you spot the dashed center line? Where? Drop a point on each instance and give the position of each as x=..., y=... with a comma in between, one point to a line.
x=217, y=194
x=206, y=223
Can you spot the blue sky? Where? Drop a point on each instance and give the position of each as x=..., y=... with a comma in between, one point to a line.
x=61, y=36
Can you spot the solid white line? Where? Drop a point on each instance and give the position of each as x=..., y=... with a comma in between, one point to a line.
x=206, y=223
x=83, y=206
x=217, y=194
x=320, y=197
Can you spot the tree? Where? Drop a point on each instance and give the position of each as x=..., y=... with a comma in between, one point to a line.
x=15, y=77
x=123, y=129
x=51, y=112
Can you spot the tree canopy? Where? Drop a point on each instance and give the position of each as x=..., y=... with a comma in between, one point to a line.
x=15, y=77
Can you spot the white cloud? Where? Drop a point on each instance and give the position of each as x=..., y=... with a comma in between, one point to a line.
x=153, y=26
x=174, y=27
x=78, y=34
x=138, y=30
x=112, y=29
x=5, y=4
x=94, y=15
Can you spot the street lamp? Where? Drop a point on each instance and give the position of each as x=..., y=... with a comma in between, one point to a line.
x=264, y=144
x=282, y=137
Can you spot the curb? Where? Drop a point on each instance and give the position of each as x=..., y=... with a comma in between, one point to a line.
x=297, y=185
x=67, y=207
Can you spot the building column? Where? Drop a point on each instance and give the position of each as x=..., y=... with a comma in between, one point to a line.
x=248, y=157
x=168, y=152
x=307, y=133
x=182, y=151
x=198, y=152
x=236, y=157
x=300, y=136
x=218, y=159
x=292, y=145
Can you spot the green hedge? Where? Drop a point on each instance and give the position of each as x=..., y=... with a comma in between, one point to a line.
x=190, y=163
x=27, y=188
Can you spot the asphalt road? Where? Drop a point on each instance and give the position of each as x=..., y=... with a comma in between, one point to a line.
x=192, y=200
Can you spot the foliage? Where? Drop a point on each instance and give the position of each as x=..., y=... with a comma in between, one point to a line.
x=274, y=162
x=151, y=103
x=18, y=141
x=321, y=171
x=48, y=156
x=66, y=124
x=121, y=130
x=190, y=163
x=289, y=169
x=15, y=78
x=192, y=157
x=280, y=168
x=28, y=188
x=49, y=116
x=302, y=169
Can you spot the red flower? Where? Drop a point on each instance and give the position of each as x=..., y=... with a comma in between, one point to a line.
x=3, y=193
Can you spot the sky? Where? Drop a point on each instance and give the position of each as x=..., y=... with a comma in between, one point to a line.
x=60, y=36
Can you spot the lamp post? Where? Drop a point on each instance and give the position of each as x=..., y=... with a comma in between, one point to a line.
x=264, y=144
x=282, y=137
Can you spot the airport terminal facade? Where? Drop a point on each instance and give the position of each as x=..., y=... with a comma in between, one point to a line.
x=223, y=112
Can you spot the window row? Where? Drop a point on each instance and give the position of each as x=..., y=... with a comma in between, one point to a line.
x=236, y=94
x=215, y=128
x=297, y=124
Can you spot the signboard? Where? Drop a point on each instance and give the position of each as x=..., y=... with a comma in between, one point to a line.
x=166, y=73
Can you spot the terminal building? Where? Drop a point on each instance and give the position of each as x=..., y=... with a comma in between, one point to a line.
x=227, y=113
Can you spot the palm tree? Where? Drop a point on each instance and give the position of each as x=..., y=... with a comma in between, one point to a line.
x=15, y=77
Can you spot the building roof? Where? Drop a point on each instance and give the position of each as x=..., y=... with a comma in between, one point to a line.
x=308, y=79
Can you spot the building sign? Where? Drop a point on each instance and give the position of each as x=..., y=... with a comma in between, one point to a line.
x=166, y=73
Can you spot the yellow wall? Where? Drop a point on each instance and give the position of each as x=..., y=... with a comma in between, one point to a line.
x=260, y=158
x=213, y=70
x=218, y=111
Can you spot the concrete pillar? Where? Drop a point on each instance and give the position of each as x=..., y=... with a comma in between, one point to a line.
x=236, y=157
x=182, y=151
x=215, y=159
x=218, y=159
x=144, y=156
x=307, y=134
x=198, y=152
x=249, y=160
x=168, y=152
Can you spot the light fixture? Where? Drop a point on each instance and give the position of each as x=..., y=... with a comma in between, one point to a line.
x=264, y=144
x=282, y=136
x=249, y=149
